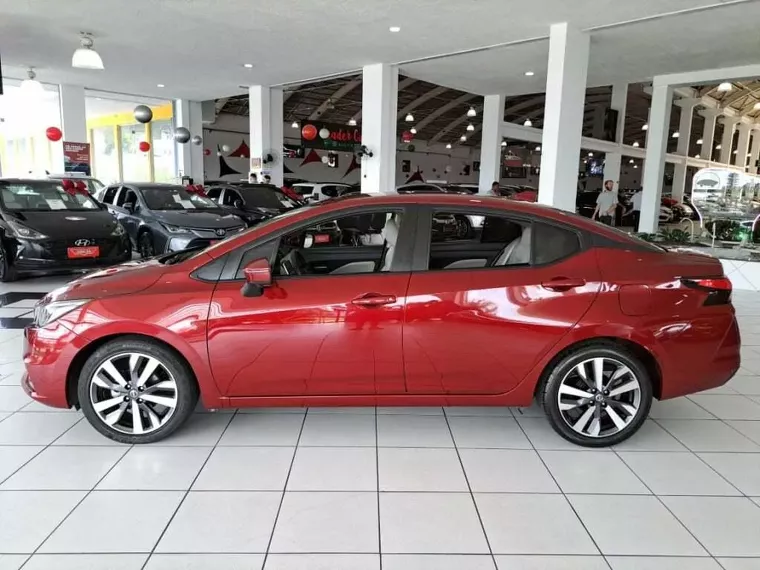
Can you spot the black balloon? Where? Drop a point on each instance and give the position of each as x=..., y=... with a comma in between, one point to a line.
x=181, y=135
x=197, y=140
x=143, y=114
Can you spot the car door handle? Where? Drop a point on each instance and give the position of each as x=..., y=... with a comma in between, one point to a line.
x=563, y=283
x=374, y=300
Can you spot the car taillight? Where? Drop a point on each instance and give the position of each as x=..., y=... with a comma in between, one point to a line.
x=718, y=289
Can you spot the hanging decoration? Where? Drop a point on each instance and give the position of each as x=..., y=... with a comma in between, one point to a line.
x=324, y=133
x=313, y=156
x=407, y=137
x=225, y=148
x=144, y=146
x=355, y=164
x=143, y=114
x=309, y=132
x=206, y=152
x=53, y=134
x=241, y=152
x=181, y=135
x=197, y=140
x=417, y=176
x=224, y=168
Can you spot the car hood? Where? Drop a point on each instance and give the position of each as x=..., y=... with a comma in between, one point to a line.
x=124, y=279
x=198, y=219
x=60, y=224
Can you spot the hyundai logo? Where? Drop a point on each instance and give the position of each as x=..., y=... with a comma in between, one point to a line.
x=221, y=232
x=84, y=242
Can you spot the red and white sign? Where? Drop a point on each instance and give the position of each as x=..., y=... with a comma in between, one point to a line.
x=83, y=252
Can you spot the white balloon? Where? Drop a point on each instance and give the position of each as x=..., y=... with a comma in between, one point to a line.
x=325, y=159
x=324, y=133
x=226, y=148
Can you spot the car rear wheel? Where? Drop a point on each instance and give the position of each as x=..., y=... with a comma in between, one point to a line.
x=145, y=245
x=136, y=391
x=597, y=396
x=7, y=271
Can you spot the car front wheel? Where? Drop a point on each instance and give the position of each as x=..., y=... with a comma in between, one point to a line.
x=136, y=391
x=597, y=396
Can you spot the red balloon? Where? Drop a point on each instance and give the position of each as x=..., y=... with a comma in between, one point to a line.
x=144, y=146
x=407, y=136
x=53, y=134
x=309, y=132
x=206, y=151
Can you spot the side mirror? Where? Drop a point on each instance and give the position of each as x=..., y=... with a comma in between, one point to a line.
x=238, y=204
x=258, y=275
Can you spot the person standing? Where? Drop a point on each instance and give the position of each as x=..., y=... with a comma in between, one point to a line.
x=636, y=209
x=606, y=204
x=495, y=189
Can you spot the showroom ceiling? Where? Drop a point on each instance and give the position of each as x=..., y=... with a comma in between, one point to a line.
x=197, y=48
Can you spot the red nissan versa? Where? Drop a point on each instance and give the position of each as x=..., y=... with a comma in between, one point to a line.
x=361, y=301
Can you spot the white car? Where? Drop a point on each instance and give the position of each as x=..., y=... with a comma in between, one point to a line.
x=666, y=215
x=316, y=191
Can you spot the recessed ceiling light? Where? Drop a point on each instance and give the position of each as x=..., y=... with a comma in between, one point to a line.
x=409, y=118
x=248, y=65
x=352, y=122
x=529, y=74
x=699, y=141
x=470, y=127
x=645, y=127
x=725, y=86
x=448, y=145
x=635, y=144
x=160, y=85
x=675, y=135
x=394, y=29
x=294, y=124
x=472, y=112
x=528, y=123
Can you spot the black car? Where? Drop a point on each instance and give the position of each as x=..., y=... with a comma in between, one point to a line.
x=251, y=202
x=45, y=227
x=166, y=217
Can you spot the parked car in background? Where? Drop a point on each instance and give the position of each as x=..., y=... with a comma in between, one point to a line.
x=92, y=185
x=47, y=225
x=445, y=226
x=585, y=204
x=539, y=305
x=166, y=217
x=251, y=202
x=316, y=191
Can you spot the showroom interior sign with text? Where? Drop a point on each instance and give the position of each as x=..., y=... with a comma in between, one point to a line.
x=330, y=136
x=76, y=157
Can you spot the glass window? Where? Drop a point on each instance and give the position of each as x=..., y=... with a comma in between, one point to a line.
x=303, y=190
x=135, y=163
x=214, y=193
x=109, y=195
x=164, y=167
x=43, y=196
x=175, y=198
x=553, y=243
x=105, y=154
x=265, y=197
x=230, y=196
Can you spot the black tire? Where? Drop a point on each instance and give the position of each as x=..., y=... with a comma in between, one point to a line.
x=464, y=227
x=7, y=271
x=548, y=394
x=145, y=245
x=187, y=387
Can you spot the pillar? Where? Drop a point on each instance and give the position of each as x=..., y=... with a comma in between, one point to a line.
x=742, y=145
x=73, y=113
x=755, y=152
x=654, y=162
x=563, y=118
x=266, y=118
x=189, y=156
x=379, y=110
x=613, y=160
x=728, y=137
x=490, y=142
x=708, y=133
x=684, y=142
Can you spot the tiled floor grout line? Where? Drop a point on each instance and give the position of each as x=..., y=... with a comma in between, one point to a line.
x=377, y=481
x=469, y=489
x=564, y=496
x=87, y=494
x=719, y=420
x=187, y=492
x=726, y=421
x=284, y=489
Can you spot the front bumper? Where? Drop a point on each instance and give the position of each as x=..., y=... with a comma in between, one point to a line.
x=51, y=255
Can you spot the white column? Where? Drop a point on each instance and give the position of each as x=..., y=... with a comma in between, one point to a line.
x=708, y=133
x=654, y=162
x=728, y=137
x=266, y=117
x=563, y=116
x=73, y=113
x=188, y=155
x=490, y=142
x=613, y=160
x=379, y=109
x=755, y=152
x=684, y=141
x=742, y=145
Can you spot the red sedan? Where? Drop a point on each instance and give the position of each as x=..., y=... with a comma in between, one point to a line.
x=537, y=304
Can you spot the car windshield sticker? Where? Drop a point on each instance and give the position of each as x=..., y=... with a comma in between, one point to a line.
x=286, y=204
x=177, y=198
x=56, y=204
x=187, y=204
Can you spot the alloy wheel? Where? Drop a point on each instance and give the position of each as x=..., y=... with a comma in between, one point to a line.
x=146, y=246
x=599, y=397
x=133, y=393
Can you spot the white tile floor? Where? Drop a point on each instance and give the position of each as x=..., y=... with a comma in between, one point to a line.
x=408, y=489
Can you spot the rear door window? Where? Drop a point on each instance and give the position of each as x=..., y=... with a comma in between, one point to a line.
x=552, y=243
x=109, y=194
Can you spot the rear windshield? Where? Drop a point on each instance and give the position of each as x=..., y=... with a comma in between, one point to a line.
x=41, y=196
x=265, y=197
x=175, y=198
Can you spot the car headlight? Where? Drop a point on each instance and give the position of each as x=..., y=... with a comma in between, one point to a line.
x=175, y=229
x=20, y=230
x=46, y=313
x=118, y=230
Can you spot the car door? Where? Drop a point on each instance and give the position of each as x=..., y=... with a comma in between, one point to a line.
x=129, y=218
x=312, y=334
x=475, y=326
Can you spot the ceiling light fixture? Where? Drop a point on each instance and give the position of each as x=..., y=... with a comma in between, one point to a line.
x=248, y=65
x=591, y=154
x=463, y=138
x=294, y=124
x=448, y=145
x=394, y=29
x=413, y=130
x=470, y=127
x=718, y=146
x=635, y=165
x=645, y=127
x=538, y=148
x=503, y=143
x=85, y=57
x=757, y=106
x=30, y=86
x=630, y=161
x=734, y=152
x=529, y=74
x=675, y=135
x=528, y=123
x=696, y=156
x=161, y=85
x=472, y=112
x=725, y=86
x=352, y=122
x=635, y=144
x=699, y=141
x=409, y=118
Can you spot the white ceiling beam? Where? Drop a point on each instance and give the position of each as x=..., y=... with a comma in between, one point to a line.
x=461, y=100
x=527, y=104
x=706, y=76
x=403, y=84
x=219, y=105
x=336, y=96
x=424, y=98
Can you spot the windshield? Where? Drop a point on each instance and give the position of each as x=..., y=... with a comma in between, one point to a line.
x=43, y=196
x=263, y=197
x=175, y=198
